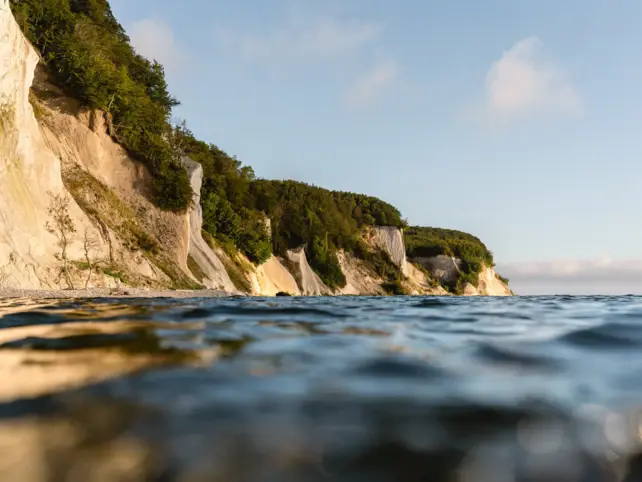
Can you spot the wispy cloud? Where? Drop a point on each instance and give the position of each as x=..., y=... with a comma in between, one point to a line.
x=304, y=38
x=524, y=82
x=154, y=39
x=368, y=88
x=594, y=276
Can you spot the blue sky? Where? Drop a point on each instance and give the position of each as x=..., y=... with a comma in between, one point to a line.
x=520, y=122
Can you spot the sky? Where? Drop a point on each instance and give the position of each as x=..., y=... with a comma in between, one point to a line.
x=520, y=122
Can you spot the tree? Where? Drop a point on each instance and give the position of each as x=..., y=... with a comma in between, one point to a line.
x=91, y=245
x=62, y=227
x=177, y=137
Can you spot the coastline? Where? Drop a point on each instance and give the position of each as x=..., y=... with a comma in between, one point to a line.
x=12, y=293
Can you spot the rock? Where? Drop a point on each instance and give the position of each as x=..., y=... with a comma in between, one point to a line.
x=28, y=170
x=308, y=281
x=443, y=269
x=208, y=262
x=273, y=277
x=390, y=240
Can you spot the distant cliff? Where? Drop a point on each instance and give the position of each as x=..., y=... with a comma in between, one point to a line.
x=98, y=190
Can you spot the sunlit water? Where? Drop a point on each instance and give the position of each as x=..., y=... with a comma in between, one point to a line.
x=318, y=389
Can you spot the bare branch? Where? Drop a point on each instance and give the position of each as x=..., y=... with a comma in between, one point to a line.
x=62, y=227
x=91, y=244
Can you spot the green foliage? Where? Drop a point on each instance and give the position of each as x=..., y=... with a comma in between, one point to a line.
x=91, y=57
x=320, y=220
x=195, y=268
x=429, y=242
x=379, y=261
x=234, y=201
x=246, y=230
x=219, y=218
x=299, y=212
x=324, y=261
x=115, y=273
x=254, y=240
x=236, y=268
x=394, y=288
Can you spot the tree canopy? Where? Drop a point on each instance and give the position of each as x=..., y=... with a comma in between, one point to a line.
x=427, y=242
x=91, y=57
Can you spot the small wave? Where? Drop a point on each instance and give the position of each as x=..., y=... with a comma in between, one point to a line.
x=398, y=367
x=605, y=337
x=493, y=353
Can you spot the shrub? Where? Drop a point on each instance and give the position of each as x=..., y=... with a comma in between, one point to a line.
x=394, y=288
x=325, y=263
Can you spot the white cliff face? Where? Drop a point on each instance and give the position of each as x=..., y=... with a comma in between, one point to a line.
x=272, y=278
x=489, y=285
x=444, y=269
x=308, y=281
x=29, y=171
x=390, y=240
x=210, y=265
x=419, y=284
x=359, y=279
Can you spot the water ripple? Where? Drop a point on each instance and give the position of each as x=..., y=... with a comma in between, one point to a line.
x=377, y=389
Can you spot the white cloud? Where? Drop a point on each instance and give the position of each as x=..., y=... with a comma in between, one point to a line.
x=304, y=38
x=524, y=82
x=370, y=86
x=594, y=276
x=154, y=39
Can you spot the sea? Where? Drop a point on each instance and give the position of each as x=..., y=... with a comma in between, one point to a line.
x=360, y=389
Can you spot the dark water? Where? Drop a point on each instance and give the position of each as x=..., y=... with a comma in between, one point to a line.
x=354, y=389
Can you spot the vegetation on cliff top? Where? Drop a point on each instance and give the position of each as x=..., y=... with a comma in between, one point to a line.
x=235, y=205
x=423, y=242
x=91, y=57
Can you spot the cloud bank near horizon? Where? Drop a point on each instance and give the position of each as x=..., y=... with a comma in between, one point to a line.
x=597, y=276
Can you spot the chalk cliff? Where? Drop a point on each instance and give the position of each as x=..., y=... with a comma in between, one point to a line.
x=446, y=270
x=390, y=240
x=29, y=172
x=273, y=277
x=202, y=259
x=307, y=280
x=489, y=285
x=50, y=145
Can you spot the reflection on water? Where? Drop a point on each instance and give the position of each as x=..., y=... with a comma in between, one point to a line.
x=363, y=389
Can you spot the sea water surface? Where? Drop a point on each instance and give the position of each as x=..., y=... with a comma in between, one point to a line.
x=321, y=389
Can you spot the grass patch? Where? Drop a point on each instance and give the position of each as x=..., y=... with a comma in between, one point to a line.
x=237, y=275
x=195, y=269
x=115, y=273
x=6, y=118
x=394, y=288
x=380, y=263
x=433, y=283
x=82, y=265
x=38, y=110
x=237, y=268
x=180, y=281
x=103, y=205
